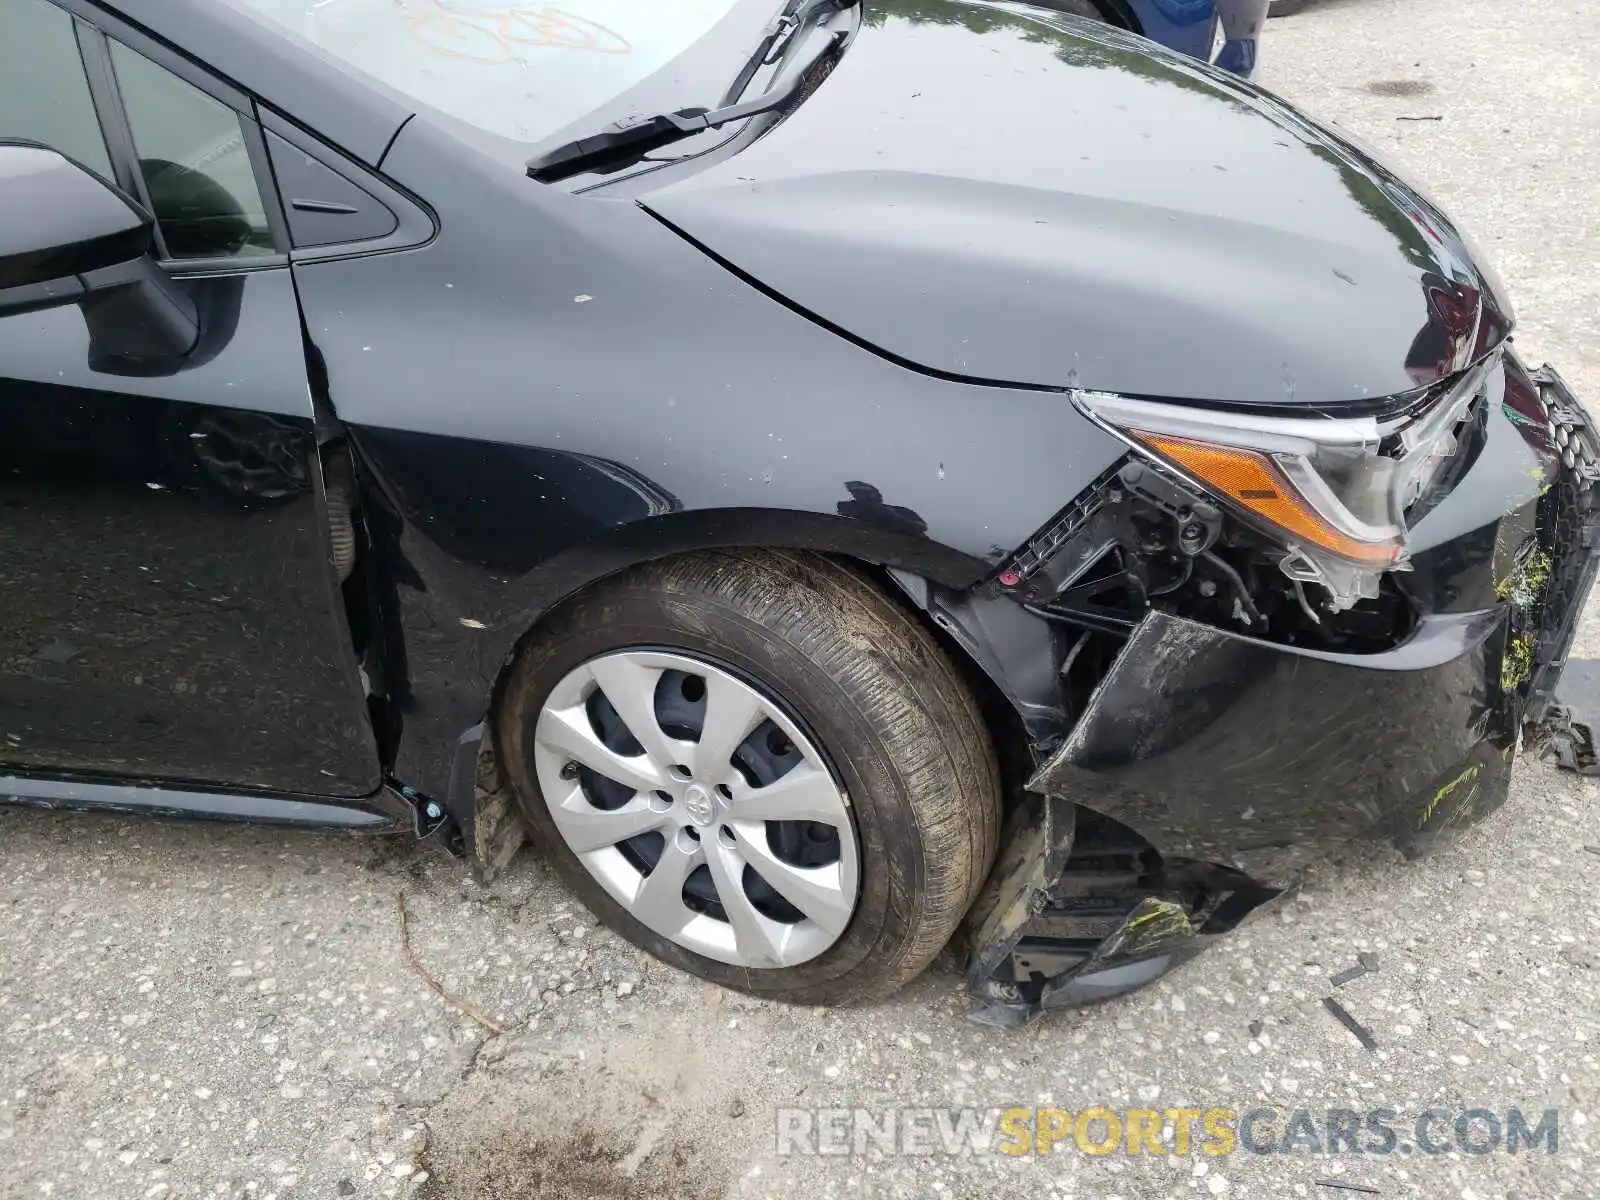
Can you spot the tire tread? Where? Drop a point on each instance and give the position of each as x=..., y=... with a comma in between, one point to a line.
x=903, y=686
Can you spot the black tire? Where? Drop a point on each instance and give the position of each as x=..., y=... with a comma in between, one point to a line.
x=887, y=707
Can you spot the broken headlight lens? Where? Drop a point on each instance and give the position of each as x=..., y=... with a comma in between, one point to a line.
x=1333, y=491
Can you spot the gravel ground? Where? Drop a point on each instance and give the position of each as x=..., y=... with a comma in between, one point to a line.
x=196, y=1012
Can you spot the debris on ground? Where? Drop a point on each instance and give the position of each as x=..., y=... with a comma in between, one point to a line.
x=1569, y=743
x=1342, y=1186
x=1362, y=1033
x=1566, y=733
x=1366, y=964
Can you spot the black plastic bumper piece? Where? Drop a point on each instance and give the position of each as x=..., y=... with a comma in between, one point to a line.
x=1234, y=761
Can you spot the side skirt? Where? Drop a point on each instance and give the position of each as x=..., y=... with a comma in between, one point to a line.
x=376, y=813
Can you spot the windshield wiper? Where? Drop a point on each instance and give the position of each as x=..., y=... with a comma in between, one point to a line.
x=628, y=141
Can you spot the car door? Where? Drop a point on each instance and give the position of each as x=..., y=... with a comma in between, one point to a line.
x=168, y=606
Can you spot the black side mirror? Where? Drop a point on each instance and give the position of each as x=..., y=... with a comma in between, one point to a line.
x=58, y=221
x=68, y=237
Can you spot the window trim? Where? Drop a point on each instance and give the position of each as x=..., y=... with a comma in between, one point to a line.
x=110, y=24
x=417, y=226
x=113, y=118
x=255, y=145
x=97, y=27
x=95, y=30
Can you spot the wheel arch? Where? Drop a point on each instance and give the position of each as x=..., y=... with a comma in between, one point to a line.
x=457, y=626
x=574, y=571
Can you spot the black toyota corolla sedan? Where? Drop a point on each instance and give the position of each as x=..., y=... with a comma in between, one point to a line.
x=798, y=463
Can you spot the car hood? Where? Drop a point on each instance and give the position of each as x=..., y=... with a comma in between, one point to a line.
x=993, y=192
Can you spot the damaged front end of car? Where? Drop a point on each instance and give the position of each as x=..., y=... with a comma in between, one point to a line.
x=1265, y=636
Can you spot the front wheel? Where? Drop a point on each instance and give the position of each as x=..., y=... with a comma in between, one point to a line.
x=755, y=766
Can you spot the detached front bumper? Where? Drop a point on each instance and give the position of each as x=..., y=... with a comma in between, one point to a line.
x=1208, y=767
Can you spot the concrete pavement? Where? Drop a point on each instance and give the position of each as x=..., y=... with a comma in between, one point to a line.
x=206, y=1012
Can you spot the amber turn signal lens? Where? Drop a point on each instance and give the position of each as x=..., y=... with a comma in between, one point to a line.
x=1255, y=483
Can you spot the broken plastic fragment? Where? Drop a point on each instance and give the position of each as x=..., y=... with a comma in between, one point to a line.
x=1362, y=1034
x=1366, y=964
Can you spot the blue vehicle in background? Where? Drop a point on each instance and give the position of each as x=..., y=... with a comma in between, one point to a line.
x=1188, y=26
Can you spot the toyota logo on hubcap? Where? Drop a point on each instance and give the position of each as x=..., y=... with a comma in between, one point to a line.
x=698, y=804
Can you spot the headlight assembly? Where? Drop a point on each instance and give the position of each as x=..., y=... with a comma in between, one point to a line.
x=1332, y=491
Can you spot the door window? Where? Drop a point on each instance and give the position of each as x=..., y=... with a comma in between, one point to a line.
x=44, y=94
x=194, y=161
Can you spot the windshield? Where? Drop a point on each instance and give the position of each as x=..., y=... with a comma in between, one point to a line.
x=518, y=70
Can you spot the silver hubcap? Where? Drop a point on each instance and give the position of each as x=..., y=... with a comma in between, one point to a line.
x=700, y=806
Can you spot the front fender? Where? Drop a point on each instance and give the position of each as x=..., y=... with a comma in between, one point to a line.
x=472, y=544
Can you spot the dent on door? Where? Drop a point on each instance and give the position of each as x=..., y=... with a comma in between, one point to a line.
x=167, y=606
